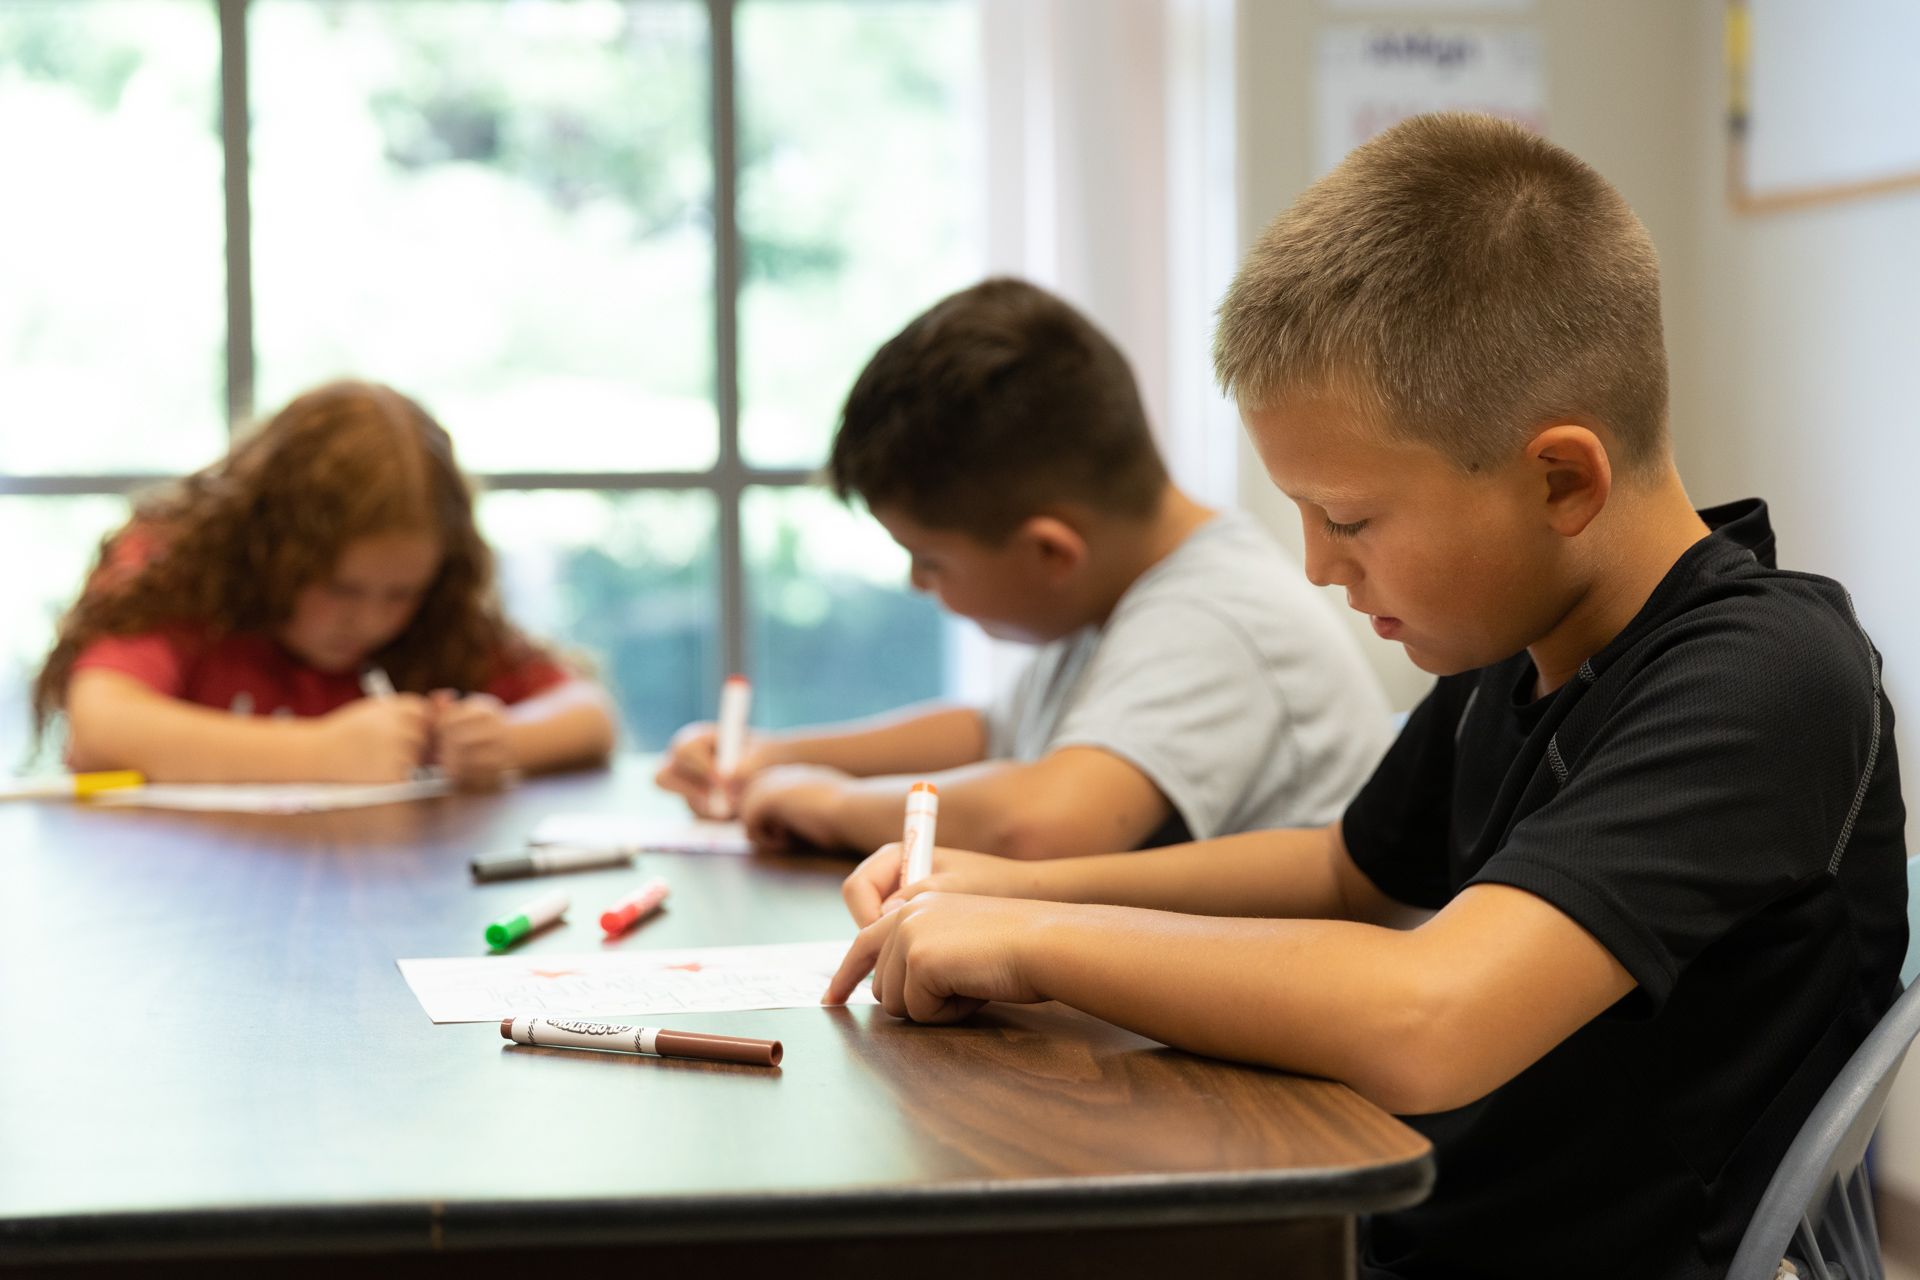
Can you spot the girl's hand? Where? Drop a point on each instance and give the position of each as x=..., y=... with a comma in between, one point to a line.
x=471, y=738
x=874, y=888
x=373, y=740
x=943, y=955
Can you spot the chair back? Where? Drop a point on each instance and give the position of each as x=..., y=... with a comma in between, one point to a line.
x=1911, y=969
x=1818, y=1209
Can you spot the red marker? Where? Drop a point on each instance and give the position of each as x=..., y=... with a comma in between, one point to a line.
x=624, y=914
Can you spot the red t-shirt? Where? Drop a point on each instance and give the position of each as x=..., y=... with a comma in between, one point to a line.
x=182, y=662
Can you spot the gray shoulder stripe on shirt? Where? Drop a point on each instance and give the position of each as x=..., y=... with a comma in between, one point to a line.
x=1873, y=745
x=1465, y=711
x=1554, y=761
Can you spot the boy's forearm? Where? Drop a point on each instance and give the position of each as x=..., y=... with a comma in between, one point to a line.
x=1417, y=1020
x=1299, y=873
x=917, y=742
x=990, y=806
x=1318, y=997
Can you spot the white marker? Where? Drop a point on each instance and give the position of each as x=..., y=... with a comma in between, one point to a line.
x=375, y=684
x=736, y=699
x=916, y=842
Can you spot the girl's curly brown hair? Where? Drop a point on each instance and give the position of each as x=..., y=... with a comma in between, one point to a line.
x=229, y=547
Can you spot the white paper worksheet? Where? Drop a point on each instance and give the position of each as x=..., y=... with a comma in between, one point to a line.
x=641, y=833
x=270, y=797
x=628, y=983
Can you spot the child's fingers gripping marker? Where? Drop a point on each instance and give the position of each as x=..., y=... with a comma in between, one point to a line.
x=730, y=739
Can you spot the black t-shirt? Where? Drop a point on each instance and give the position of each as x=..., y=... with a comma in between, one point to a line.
x=1715, y=798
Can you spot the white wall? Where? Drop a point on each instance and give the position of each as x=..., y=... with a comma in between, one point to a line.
x=1109, y=179
x=1618, y=93
x=1808, y=338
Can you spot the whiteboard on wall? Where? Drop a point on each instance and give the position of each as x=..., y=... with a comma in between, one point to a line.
x=1826, y=98
x=1367, y=78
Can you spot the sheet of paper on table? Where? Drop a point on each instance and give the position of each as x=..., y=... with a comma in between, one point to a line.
x=641, y=833
x=271, y=797
x=628, y=983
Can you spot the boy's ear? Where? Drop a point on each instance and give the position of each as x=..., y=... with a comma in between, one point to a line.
x=1572, y=461
x=1056, y=546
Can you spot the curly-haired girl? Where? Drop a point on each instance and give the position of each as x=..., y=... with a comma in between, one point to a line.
x=226, y=631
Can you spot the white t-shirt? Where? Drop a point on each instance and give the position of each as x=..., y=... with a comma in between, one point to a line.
x=1224, y=676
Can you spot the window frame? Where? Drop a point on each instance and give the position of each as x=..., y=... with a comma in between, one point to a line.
x=728, y=478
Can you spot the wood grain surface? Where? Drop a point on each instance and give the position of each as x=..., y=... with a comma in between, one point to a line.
x=210, y=1048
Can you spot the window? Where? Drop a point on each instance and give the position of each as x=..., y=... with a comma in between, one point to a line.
x=630, y=252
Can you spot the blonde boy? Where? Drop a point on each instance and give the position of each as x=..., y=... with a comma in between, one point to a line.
x=1629, y=888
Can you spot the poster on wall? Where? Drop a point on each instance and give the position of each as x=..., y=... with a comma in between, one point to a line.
x=1453, y=8
x=1369, y=77
x=1825, y=101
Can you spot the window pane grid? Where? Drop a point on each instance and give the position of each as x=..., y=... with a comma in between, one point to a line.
x=840, y=632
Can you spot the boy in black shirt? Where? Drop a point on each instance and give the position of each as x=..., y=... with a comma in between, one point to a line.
x=1630, y=887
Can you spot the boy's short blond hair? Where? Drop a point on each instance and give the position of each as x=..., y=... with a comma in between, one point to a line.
x=1467, y=282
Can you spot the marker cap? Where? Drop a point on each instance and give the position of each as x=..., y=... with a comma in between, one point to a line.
x=86, y=784
x=510, y=867
x=623, y=914
x=537, y=914
x=508, y=929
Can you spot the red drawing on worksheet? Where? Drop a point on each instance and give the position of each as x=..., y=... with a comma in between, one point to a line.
x=691, y=966
x=553, y=973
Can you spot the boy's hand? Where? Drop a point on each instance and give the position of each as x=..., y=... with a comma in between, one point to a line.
x=794, y=800
x=374, y=739
x=691, y=769
x=943, y=955
x=874, y=888
x=471, y=738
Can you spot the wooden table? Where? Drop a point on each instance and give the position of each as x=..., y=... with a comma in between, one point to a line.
x=210, y=1057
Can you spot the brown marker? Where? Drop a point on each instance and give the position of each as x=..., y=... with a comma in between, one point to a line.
x=569, y=1034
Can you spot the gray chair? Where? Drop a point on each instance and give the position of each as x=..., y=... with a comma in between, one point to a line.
x=1818, y=1210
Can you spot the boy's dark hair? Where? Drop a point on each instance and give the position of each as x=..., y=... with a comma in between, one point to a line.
x=993, y=403
x=1464, y=281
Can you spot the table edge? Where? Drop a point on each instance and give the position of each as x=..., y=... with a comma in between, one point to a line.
x=1030, y=1204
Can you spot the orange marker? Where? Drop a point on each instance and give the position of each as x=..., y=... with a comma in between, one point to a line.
x=916, y=842
x=627, y=912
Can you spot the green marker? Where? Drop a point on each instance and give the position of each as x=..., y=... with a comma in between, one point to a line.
x=537, y=914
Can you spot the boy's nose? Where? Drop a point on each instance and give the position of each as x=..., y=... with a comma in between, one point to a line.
x=1326, y=564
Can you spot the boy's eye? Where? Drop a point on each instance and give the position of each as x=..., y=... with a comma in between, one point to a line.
x=1335, y=530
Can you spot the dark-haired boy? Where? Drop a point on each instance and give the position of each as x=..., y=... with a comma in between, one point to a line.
x=1629, y=888
x=1189, y=682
